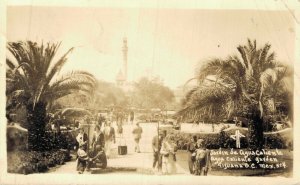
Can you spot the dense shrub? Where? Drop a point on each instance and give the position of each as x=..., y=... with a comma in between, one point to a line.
x=223, y=140
x=54, y=141
x=276, y=141
x=17, y=140
x=26, y=162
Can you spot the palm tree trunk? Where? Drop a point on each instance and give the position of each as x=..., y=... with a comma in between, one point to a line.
x=256, y=139
x=255, y=126
x=36, y=126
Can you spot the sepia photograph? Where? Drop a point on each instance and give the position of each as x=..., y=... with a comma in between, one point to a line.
x=103, y=91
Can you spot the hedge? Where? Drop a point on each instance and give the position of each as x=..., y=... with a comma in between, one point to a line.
x=223, y=140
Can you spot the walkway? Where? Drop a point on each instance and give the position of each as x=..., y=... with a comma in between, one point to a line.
x=139, y=162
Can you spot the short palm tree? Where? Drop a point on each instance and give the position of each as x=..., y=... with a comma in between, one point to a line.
x=32, y=80
x=239, y=86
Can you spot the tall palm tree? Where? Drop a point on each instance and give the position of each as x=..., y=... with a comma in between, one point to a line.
x=246, y=85
x=33, y=81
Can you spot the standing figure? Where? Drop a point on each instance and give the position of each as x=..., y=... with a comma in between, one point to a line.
x=98, y=139
x=120, y=130
x=191, y=153
x=110, y=137
x=56, y=124
x=203, y=159
x=64, y=121
x=82, y=139
x=137, y=134
x=131, y=117
x=101, y=119
x=156, y=146
x=168, y=152
x=87, y=120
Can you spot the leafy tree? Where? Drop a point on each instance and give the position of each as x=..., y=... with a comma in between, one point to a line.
x=75, y=99
x=32, y=80
x=151, y=94
x=251, y=85
x=109, y=94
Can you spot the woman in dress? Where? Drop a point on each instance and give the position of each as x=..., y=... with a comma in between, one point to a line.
x=168, y=152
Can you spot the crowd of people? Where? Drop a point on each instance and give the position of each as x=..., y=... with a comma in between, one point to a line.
x=164, y=155
x=102, y=141
x=96, y=152
x=103, y=138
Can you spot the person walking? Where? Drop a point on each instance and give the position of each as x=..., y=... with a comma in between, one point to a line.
x=137, y=134
x=109, y=137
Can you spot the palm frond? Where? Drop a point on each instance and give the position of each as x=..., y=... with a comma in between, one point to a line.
x=33, y=73
x=271, y=75
x=207, y=101
x=10, y=64
x=209, y=68
x=57, y=67
x=264, y=52
x=80, y=77
x=17, y=49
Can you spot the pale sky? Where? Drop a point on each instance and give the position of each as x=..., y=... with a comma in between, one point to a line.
x=168, y=43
